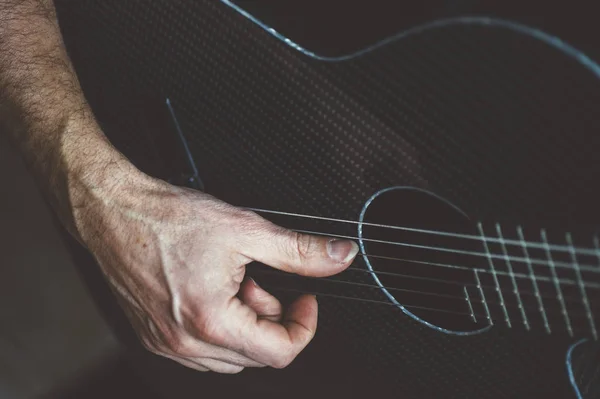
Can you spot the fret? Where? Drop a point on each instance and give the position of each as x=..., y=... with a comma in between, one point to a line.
x=513, y=279
x=584, y=297
x=495, y=277
x=487, y=310
x=468, y=299
x=533, y=280
x=559, y=294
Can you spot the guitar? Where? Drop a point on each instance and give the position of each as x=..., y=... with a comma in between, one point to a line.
x=457, y=158
x=457, y=276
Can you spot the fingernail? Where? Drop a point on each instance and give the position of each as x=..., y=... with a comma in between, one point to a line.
x=342, y=250
x=254, y=282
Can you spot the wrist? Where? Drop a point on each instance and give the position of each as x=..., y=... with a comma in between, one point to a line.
x=89, y=177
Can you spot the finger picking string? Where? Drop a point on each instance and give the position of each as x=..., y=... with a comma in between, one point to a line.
x=505, y=241
x=564, y=265
x=521, y=243
x=454, y=282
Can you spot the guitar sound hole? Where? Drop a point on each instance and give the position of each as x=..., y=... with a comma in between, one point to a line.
x=419, y=269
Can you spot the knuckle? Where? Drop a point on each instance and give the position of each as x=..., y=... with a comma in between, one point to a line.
x=245, y=226
x=245, y=220
x=302, y=246
x=284, y=359
x=247, y=215
x=209, y=330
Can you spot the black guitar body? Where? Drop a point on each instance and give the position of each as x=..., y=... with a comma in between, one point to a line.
x=499, y=122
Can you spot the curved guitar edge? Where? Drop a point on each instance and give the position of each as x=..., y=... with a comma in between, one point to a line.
x=467, y=20
x=374, y=274
x=570, y=371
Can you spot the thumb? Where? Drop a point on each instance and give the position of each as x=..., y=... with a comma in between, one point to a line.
x=303, y=254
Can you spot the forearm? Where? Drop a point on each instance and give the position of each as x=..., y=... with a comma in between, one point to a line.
x=44, y=111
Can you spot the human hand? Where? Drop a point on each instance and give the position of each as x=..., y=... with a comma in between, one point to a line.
x=175, y=258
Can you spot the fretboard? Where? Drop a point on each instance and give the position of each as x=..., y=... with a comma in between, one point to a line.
x=537, y=285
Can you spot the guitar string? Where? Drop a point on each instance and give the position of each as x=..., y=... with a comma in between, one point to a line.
x=564, y=265
x=375, y=301
x=428, y=293
x=360, y=299
x=522, y=243
x=443, y=281
x=457, y=282
x=479, y=238
x=500, y=273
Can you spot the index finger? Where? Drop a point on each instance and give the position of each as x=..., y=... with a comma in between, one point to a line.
x=268, y=342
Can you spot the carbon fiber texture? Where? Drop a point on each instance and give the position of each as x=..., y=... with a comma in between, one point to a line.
x=499, y=123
